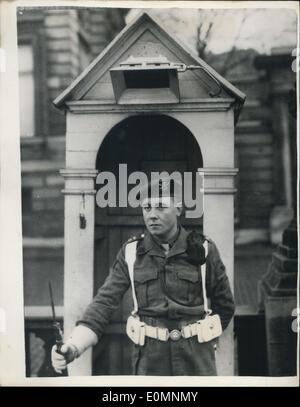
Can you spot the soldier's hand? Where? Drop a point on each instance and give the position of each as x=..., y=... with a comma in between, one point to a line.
x=60, y=360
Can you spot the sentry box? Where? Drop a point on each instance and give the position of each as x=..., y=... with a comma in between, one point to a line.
x=146, y=101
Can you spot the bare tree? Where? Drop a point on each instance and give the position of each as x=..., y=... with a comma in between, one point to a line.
x=230, y=56
x=205, y=28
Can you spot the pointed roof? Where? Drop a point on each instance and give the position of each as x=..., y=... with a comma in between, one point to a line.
x=79, y=87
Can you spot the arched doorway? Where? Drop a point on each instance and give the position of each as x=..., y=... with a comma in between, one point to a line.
x=145, y=143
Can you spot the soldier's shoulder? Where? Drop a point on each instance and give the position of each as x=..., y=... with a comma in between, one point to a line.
x=135, y=238
x=211, y=243
x=198, y=236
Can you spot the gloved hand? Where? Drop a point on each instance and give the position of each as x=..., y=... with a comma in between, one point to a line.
x=60, y=360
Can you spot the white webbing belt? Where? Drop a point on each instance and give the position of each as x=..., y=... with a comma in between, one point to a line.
x=130, y=256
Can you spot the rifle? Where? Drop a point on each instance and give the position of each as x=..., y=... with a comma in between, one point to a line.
x=57, y=329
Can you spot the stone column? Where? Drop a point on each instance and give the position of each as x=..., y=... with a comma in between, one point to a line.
x=218, y=224
x=79, y=254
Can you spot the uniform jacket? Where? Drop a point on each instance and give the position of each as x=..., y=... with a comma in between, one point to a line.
x=168, y=287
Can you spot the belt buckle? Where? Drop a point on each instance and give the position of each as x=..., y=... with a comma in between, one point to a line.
x=175, y=335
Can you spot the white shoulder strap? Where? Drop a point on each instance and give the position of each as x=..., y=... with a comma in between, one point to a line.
x=203, y=278
x=130, y=256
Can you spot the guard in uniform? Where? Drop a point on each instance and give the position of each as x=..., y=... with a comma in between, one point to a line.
x=181, y=295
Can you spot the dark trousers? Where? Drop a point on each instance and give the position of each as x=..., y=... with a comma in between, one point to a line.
x=185, y=357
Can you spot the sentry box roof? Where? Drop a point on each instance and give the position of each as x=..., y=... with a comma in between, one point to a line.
x=145, y=65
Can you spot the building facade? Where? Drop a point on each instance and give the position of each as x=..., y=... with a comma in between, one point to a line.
x=55, y=46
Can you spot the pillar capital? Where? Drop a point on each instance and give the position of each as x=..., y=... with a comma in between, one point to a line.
x=79, y=181
x=219, y=180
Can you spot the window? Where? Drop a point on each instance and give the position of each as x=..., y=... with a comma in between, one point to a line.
x=147, y=79
x=26, y=90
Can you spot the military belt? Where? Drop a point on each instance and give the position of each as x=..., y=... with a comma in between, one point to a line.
x=164, y=334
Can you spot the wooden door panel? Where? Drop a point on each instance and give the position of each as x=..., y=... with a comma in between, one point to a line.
x=146, y=144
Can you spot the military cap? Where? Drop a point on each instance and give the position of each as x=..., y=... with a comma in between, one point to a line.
x=162, y=187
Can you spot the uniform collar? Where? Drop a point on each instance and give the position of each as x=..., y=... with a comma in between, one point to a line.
x=172, y=241
x=180, y=244
x=148, y=244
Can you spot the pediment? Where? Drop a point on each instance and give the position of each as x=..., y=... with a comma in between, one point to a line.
x=145, y=38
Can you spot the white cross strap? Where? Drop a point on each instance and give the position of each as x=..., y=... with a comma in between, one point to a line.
x=130, y=256
x=203, y=278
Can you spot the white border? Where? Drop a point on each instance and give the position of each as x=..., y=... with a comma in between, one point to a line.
x=12, y=350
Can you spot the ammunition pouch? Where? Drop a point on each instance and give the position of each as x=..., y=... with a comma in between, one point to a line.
x=209, y=328
x=136, y=330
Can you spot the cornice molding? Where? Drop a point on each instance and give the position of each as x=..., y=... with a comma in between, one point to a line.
x=202, y=105
x=219, y=172
x=78, y=173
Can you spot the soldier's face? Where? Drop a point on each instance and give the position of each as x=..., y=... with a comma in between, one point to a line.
x=161, y=216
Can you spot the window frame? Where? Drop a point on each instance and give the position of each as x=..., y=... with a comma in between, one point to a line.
x=31, y=32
